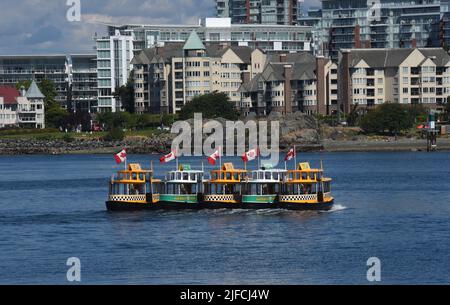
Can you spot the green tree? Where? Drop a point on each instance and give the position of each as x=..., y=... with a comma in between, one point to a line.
x=126, y=95
x=211, y=105
x=388, y=118
x=55, y=116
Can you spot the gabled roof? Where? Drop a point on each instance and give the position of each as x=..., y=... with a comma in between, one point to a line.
x=252, y=85
x=383, y=58
x=34, y=92
x=194, y=42
x=9, y=94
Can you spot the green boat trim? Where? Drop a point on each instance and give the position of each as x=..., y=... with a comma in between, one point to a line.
x=178, y=198
x=259, y=198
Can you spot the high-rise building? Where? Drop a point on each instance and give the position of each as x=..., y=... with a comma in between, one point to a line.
x=17, y=68
x=350, y=24
x=114, y=54
x=74, y=76
x=83, y=79
x=282, y=12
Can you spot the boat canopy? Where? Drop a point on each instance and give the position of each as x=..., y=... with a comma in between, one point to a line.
x=185, y=175
x=227, y=175
x=134, y=174
x=267, y=176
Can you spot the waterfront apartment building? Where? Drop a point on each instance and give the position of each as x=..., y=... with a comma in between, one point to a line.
x=217, y=30
x=349, y=24
x=24, y=108
x=17, y=68
x=370, y=77
x=114, y=54
x=123, y=42
x=167, y=77
x=67, y=72
x=292, y=82
x=282, y=12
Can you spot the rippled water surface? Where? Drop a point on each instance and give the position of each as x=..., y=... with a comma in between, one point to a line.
x=394, y=206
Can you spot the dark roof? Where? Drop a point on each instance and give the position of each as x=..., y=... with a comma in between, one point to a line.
x=9, y=94
x=394, y=57
x=297, y=57
x=169, y=50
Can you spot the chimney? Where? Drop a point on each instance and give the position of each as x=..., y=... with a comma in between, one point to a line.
x=344, y=85
x=321, y=85
x=283, y=57
x=287, y=89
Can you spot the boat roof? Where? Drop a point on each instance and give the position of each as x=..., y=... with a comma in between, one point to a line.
x=135, y=168
x=229, y=167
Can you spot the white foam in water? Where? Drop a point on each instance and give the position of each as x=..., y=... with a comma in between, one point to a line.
x=337, y=208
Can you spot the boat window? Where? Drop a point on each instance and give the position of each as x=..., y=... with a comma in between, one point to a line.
x=185, y=176
x=268, y=176
x=193, y=177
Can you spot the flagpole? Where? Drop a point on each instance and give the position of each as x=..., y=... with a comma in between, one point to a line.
x=295, y=156
x=220, y=156
x=259, y=158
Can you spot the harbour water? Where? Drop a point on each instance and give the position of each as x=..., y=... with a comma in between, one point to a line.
x=394, y=206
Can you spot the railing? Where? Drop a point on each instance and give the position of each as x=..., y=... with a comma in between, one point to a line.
x=128, y=198
x=296, y=198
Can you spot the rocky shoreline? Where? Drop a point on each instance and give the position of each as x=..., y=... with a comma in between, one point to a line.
x=136, y=145
x=295, y=129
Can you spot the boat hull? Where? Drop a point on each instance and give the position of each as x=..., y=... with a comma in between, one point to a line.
x=166, y=205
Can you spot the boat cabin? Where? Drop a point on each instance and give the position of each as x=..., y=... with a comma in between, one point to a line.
x=307, y=184
x=184, y=181
x=225, y=180
x=133, y=185
x=266, y=181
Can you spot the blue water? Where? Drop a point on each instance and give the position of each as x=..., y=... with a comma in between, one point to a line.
x=394, y=206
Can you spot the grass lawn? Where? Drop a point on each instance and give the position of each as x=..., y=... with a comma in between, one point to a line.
x=56, y=135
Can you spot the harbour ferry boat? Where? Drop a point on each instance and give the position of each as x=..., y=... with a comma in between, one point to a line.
x=262, y=188
x=224, y=188
x=306, y=189
x=228, y=188
x=133, y=189
x=181, y=189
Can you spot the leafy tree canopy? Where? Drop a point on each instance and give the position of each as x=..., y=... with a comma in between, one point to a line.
x=388, y=118
x=212, y=105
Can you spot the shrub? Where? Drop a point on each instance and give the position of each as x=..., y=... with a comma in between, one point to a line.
x=68, y=138
x=388, y=118
x=115, y=134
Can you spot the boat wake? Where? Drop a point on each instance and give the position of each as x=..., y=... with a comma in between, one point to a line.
x=336, y=208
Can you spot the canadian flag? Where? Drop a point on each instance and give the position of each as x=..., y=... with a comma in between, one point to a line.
x=213, y=158
x=290, y=155
x=251, y=155
x=167, y=158
x=121, y=157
